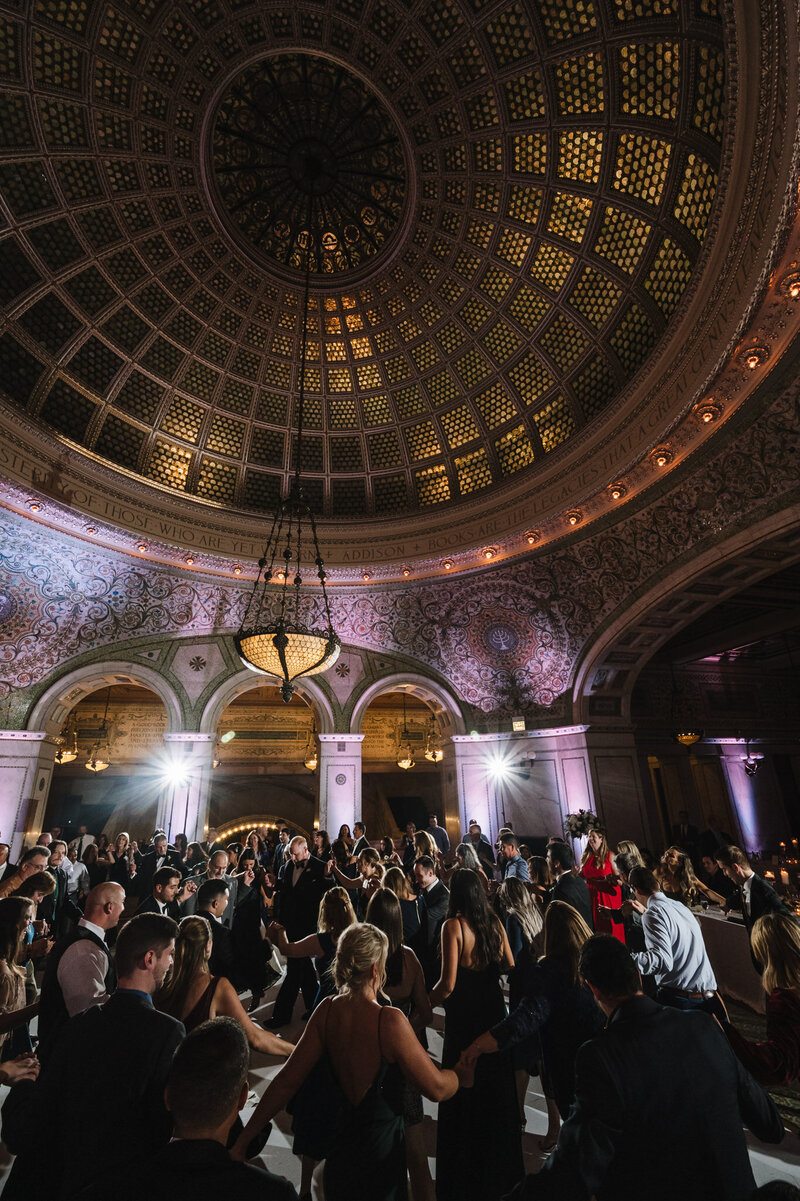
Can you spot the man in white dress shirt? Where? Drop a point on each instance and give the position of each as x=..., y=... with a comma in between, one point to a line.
x=78, y=874
x=82, y=841
x=674, y=949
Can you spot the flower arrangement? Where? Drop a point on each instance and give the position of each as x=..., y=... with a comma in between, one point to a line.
x=581, y=823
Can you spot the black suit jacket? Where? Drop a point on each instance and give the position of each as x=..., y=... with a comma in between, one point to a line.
x=223, y=959
x=763, y=899
x=151, y=905
x=660, y=1103
x=203, y=1170
x=575, y=891
x=123, y=1049
x=432, y=912
x=361, y=845
x=142, y=883
x=298, y=904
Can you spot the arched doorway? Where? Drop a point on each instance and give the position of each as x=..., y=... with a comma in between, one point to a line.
x=121, y=725
x=391, y=796
x=261, y=747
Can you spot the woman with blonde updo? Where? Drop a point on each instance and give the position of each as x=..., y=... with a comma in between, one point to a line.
x=353, y=1053
x=192, y=995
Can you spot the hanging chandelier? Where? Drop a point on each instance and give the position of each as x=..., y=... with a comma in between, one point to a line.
x=433, y=748
x=67, y=744
x=311, y=758
x=288, y=646
x=405, y=752
x=96, y=762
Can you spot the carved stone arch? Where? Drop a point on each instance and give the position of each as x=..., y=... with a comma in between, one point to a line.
x=413, y=684
x=228, y=691
x=610, y=666
x=53, y=706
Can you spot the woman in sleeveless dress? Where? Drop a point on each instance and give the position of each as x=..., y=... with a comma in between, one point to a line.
x=479, y=1144
x=192, y=995
x=599, y=871
x=356, y=1050
x=405, y=988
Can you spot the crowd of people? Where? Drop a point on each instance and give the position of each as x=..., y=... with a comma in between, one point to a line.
x=143, y=968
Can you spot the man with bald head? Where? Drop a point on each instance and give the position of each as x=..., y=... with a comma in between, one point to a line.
x=79, y=970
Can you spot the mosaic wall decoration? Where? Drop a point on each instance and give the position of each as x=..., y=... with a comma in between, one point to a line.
x=503, y=203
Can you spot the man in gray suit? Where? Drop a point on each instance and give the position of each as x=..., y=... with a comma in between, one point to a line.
x=238, y=886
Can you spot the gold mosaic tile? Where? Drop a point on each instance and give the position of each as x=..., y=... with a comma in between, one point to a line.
x=472, y=368
x=567, y=18
x=513, y=246
x=580, y=85
x=495, y=283
x=595, y=296
x=425, y=356
x=642, y=166
x=422, y=441
x=594, y=386
x=501, y=342
x=530, y=378
x=709, y=103
x=481, y=111
x=475, y=313
x=580, y=155
x=524, y=97
x=622, y=238
x=695, y=196
x=563, y=341
x=474, y=471
x=459, y=426
x=217, y=481
x=514, y=450
x=569, y=216
x=226, y=436
x=551, y=266
x=432, y=486
x=633, y=338
x=376, y=410
x=479, y=234
x=636, y=10
x=650, y=75
x=509, y=36
x=495, y=406
x=555, y=423
x=169, y=464
x=668, y=276
x=524, y=204
x=528, y=307
x=442, y=388
x=529, y=153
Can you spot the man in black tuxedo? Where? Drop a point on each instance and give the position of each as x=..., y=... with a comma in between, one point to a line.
x=568, y=887
x=56, y=909
x=755, y=897
x=212, y=901
x=660, y=1101
x=408, y=849
x=196, y=1163
x=281, y=848
x=124, y=1049
x=433, y=901
x=360, y=835
x=153, y=861
x=299, y=891
x=7, y=868
x=167, y=894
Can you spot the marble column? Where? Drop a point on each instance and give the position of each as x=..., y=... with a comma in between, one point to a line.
x=183, y=804
x=26, y=770
x=339, y=781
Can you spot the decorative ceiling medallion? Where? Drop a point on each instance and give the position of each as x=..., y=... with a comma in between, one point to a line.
x=301, y=147
x=501, y=639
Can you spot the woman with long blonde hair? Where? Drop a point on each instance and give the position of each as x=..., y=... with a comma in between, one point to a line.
x=346, y=1054
x=775, y=939
x=598, y=869
x=425, y=845
x=676, y=876
x=192, y=995
x=556, y=1013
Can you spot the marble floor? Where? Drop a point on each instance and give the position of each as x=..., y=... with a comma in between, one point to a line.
x=769, y=1163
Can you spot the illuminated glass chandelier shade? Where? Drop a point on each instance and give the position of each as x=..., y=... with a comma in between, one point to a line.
x=433, y=748
x=67, y=744
x=274, y=638
x=96, y=762
x=405, y=753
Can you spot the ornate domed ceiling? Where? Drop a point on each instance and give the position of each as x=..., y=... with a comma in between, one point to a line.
x=509, y=201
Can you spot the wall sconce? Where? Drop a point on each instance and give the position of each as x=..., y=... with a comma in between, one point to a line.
x=754, y=356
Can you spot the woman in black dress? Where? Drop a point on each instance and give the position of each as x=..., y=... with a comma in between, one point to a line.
x=556, y=1012
x=396, y=880
x=484, y=1118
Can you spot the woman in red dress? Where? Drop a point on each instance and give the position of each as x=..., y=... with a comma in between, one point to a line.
x=599, y=872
